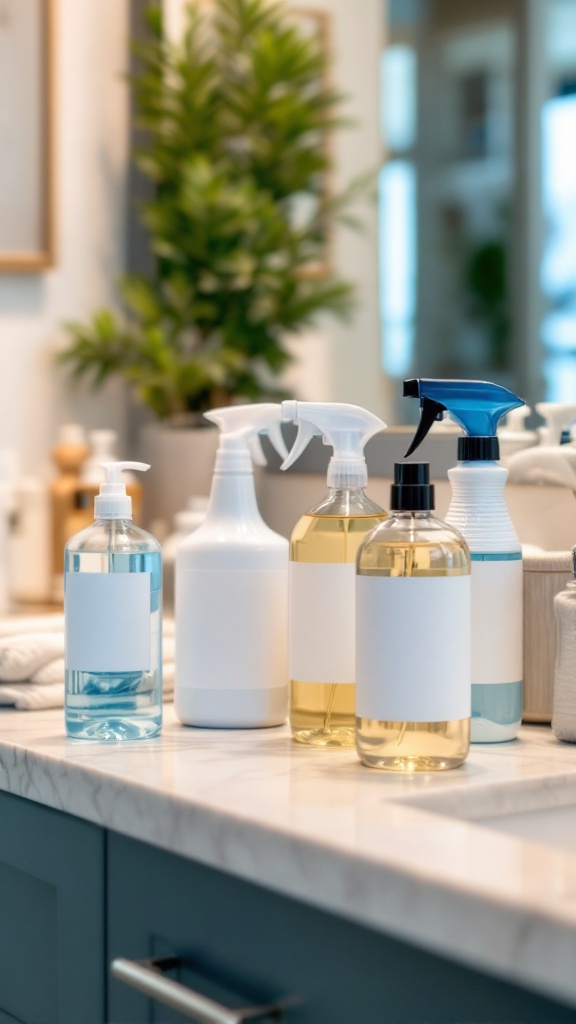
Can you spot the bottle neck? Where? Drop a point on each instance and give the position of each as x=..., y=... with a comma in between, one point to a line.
x=233, y=496
x=350, y=474
x=117, y=520
x=403, y=514
x=347, y=493
x=347, y=502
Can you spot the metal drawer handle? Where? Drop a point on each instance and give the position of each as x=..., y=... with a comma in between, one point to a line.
x=147, y=977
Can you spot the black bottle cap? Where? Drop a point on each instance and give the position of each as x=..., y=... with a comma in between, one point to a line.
x=478, y=449
x=411, y=490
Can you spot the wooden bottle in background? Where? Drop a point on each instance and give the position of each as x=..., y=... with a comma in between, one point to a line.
x=102, y=449
x=69, y=455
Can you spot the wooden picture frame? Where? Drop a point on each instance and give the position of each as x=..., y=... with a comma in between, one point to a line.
x=27, y=135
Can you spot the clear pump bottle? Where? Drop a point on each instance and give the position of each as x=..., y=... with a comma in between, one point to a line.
x=113, y=622
x=413, y=669
x=323, y=550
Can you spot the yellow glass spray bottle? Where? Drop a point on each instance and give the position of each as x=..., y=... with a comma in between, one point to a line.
x=323, y=552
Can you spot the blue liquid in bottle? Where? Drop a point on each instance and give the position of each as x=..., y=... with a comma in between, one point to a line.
x=112, y=706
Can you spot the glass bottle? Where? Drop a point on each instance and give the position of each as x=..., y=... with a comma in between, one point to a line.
x=113, y=622
x=323, y=714
x=413, y=641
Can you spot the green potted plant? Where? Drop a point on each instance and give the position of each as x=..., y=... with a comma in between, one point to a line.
x=237, y=115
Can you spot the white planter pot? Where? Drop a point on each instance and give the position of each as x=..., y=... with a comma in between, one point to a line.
x=182, y=462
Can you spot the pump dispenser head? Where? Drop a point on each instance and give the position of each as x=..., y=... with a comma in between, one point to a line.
x=412, y=490
x=476, y=405
x=239, y=427
x=346, y=428
x=112, y=502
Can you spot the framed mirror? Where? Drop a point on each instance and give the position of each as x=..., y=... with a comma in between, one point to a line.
x=26, y=135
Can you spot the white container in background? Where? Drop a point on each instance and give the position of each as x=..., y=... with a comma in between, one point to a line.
x=30, y=577
x=185, y=523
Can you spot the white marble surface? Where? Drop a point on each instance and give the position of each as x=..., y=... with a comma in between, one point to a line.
x=402, y=854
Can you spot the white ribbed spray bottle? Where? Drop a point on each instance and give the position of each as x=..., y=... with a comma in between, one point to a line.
x=478, y=511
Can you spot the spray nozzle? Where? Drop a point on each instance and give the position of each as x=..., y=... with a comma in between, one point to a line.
x=112, y=502
x=475, y=405
x=346, y=428
x=240, y=427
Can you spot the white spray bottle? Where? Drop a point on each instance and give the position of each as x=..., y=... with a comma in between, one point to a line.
x=479, y=512
x=232, y=591
x=323, y=551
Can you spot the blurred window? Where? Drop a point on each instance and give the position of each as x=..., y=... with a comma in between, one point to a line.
x=558, y=267
x=397, y=208
x=397, y=229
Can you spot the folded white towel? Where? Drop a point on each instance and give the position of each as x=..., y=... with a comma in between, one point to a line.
x=168, y=648
x=52, y=623
x=46, y=689
x=21, y=656
x=48, y=674
x=27, y=697
x=32, y=662
x=53, y=672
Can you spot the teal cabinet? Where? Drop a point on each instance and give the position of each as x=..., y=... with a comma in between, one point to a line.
x=236, y=937
x=52, y=948
x=73, y=898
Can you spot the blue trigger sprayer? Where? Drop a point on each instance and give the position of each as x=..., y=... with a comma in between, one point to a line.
x=478, y=510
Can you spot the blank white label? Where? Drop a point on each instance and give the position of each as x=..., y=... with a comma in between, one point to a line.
x=232, y=629
x=107, y=621
x=497, y=596
x=413, y=648
x=322, y=622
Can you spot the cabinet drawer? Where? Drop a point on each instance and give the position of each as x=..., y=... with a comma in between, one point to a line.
x=51, y=916
x=245, y=944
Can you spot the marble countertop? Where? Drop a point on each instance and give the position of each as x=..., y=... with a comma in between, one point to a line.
x=401, y=854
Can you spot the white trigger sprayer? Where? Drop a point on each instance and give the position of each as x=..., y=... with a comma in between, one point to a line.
x=346, y=428
x=240, y=427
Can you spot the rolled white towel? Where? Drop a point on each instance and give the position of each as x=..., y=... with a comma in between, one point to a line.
x=45, y=689
x=32, y=663
x=11, y=625
x=168, y=648
x=48, y=674
x=53, y=672
x=27, y=697
x=21, y=656
x=168, y=674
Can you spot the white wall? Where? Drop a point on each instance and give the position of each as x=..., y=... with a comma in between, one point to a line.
x=341, y=362
x=91, y=156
